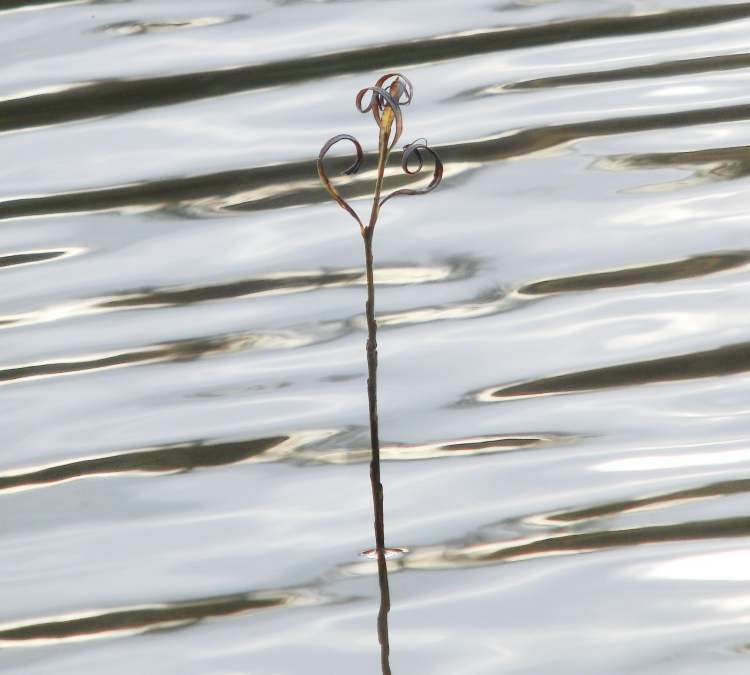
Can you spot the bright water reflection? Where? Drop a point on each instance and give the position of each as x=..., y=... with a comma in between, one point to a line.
x=564, y=351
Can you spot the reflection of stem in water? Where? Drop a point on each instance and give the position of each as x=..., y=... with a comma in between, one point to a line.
x=377, y=486
x=385, y=105
x=385, y=607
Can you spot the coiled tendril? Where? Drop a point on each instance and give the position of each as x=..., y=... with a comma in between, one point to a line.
x=415, y=149
x=350, y=171
x=387, y=96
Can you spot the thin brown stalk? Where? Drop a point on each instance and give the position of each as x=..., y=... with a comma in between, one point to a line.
x=376, y=484
x=385, y=105
x=385, y=607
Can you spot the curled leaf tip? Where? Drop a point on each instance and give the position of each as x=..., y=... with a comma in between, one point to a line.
x=415, y=150
x=385, y=100
x=402, y=84
x=390, y=92
x=348, y=172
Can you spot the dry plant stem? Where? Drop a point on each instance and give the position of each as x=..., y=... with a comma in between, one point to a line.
x=385, y=606
x=385, y=104
x=372, y=395
x=377, y=486
x=372, y=342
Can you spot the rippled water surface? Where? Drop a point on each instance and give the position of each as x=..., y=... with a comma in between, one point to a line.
x=564, y=344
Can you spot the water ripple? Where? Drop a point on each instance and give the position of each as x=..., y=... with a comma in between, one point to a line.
x=663, y=499
x=180, y=350
x=704, y=64
x=482, y=553
x=146, y=618
x=294, y=281
x=493, y=552
x=8, y=6
x=686, y=268
x=123, y=28
x=727, y=360
x=301, y=448
x=295, y=183
x=164, y=459
x=107, y=97
x=709, y=165
x=33, y=257
x=644, y=496
x=459, y=447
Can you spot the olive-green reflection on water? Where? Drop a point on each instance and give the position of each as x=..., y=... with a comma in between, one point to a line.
x=31, y=257
x=168, y=352
x=441, y=449
x=725, y=360
x=488, y=552
x=478, y=549
x=711, y=164
x=172, y=458
x=107, y=97
x=295, y=183
x=147, y=618
x=11, y=5
x=455, y=268
x=665, y=69
x=302, y=448
x=718, y=489
x=645, y=274
x=728, y=360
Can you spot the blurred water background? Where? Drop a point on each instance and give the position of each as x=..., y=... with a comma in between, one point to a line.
x=564, y=343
